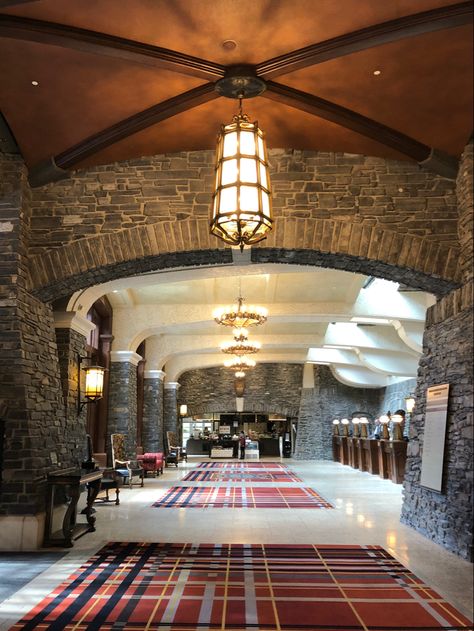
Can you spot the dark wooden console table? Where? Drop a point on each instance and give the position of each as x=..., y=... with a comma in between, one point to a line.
x=370, y=455
x=70, y=480
x=392, y=459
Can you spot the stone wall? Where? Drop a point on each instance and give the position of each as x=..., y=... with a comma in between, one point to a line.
x=306, y=184
x=123, y=404
x=328, y=399
x=392, y=397
x=170, y=411
x=445, y=517
x=269, y=388
x=465, y=195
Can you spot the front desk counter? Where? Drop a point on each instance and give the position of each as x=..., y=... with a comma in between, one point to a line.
x=386, y=458
x=198, y=447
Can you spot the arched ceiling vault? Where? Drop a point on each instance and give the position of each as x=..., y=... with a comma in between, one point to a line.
x=369, y=331
x=357, y=75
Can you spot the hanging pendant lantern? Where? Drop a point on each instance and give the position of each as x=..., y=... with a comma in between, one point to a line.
x=242, y=209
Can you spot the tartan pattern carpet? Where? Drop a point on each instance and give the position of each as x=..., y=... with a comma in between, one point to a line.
x=241, y=497
x=191, y=587
x=241, y=465
x=241, y=475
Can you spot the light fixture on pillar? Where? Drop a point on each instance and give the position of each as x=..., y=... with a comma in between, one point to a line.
x=385, y=419
x=94, y=384
x=410, y=403
x=335, y=427
x=240, y=315
x=397, y=421
x=344, y=426
x=355, y=426
x=241, y=208
x=364, y=422
x=183, y=410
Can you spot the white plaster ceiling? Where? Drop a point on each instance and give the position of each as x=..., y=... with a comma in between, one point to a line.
x=369, y=335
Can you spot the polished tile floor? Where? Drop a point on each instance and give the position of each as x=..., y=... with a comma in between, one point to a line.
x=367, y=511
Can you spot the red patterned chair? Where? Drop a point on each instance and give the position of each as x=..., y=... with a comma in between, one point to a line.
x=152, y=462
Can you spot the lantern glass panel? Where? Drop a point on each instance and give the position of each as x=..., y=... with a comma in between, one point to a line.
x=230, y=145
x=263, y=176
x=94, y=382
x=228, y=199
x=229, y=172
x=248, y=170
x=265, y=204
x=247, y=143
x=261, y=150
x=248, y=198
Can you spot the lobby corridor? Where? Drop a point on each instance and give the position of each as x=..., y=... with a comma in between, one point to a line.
x=358, y=510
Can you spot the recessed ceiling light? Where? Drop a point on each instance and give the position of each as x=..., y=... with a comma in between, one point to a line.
x=35, y=83
x=377, y=72
x=229, y=44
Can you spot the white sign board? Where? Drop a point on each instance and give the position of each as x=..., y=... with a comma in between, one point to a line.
x=434, y=436
x=224, y=429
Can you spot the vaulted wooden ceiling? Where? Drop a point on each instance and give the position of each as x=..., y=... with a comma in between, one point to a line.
x=118, y=80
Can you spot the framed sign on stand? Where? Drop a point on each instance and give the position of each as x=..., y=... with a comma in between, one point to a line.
x=434, y=437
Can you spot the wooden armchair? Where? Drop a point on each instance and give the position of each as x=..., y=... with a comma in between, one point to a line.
x=110, y=480
x=130, y=470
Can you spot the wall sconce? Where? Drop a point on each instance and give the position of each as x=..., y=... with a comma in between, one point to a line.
x=94, y=388
x=384, y=419
x=335, y=427
x=183, y=410
x=410, y=403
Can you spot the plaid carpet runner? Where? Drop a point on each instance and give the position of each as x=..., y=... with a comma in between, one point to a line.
x=238, y=497
x=241, y=475
x=191, y=587
x=241, y=465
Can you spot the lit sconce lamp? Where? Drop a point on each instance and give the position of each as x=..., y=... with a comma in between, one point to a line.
x=344, y=426
x=410, y=403
x=335, y=427
x=384, y=419
x=397, y=420
x=94, y=386
x=364, y=422
x=356, y=429
x=183, y=410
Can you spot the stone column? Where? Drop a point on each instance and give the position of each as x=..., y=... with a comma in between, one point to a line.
x=310, y=439
x=72, y=331
x=170, y=407
x=123, y=398
x=152, y=430
x=464, y=192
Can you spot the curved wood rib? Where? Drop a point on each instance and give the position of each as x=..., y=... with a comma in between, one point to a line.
x=28, y=29
x=347, y=118
x=135, y=123
x=376, y=35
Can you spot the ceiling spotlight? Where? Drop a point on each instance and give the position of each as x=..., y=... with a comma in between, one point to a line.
x=377, y=72
x=35, y=83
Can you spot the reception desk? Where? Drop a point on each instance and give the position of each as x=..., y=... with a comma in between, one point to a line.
x=386, y=458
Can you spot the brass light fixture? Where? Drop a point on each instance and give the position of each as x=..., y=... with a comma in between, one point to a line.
x=410, y=403
x=241, y=344
x=240, y=315
x=240, y=364
x=94, y=385
x=241, y=207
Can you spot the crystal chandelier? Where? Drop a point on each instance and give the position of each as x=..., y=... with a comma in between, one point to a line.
x=241, y=344
x=240, y=315
x=240, y=364
x=241, y=210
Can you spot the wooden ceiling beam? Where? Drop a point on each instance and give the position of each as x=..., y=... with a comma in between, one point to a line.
x=375, y=35
x=28, y=29
x=423, y=154
x=55, y=168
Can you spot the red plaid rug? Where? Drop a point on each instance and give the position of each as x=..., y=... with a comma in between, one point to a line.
x=241, y=475
x=191, y=587
x=238, y=497
x=241, y=465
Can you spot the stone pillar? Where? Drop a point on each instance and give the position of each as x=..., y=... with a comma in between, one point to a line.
x=152, y=430
x=33, y=416
x=445, y=517
x=464, y=192
x=170, y=407
x=123, y=398
x=72, y=331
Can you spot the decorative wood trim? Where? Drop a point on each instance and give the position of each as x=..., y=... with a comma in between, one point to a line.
x=28, y=29
x=375, y=35
x=348, y=119
x=127, y=127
